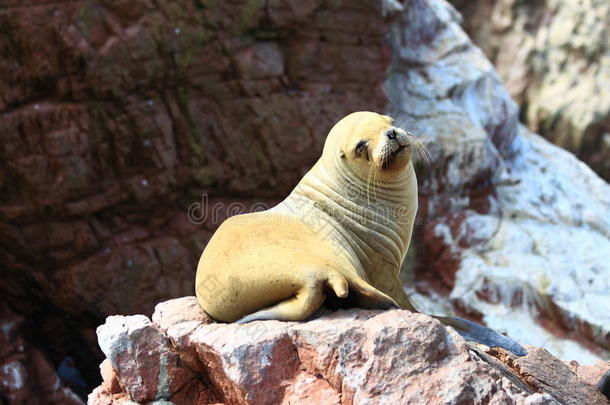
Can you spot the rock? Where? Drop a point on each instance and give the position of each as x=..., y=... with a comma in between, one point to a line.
x=117, y=116
x=499, y=206
x=344, y=357
x=109, y=377
x=131, y=130
x=566, y=386
x=591, y=374
x=155, y=372
x=552, y=58
x=261, y=60
x=27, y=376
x=184, y=311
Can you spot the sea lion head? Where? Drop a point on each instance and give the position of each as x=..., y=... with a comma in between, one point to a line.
x=369, y=143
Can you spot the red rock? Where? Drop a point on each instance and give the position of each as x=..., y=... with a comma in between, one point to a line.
x=260, y=61
x=174, y=313
x=110, y=380
x=590, y=374
x=117, y=115
x=27, y=376
x=344, y=357
x=155, y=372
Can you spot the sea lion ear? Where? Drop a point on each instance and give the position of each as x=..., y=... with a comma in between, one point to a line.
x=341, y=154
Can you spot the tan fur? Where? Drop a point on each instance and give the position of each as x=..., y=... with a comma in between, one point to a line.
x=344, y=230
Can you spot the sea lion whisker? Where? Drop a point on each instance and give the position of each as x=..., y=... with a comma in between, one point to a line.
x=421, y=149
x=375, y=184
x=368, y=183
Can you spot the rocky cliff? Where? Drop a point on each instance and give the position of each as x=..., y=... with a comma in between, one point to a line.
x=345, y=357
x=118, y=115
x=554, y=57
x=513, y=230
x=27, y=375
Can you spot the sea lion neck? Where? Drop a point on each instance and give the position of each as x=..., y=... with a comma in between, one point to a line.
x=375, y=219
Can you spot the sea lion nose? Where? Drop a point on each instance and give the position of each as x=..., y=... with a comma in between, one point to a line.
x=391, y=134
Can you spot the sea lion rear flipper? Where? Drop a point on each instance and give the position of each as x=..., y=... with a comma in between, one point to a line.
x=336, y=282
x=604, y=384
x=481, y=334
x=371, y=298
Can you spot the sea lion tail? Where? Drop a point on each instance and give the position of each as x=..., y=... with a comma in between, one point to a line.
x=481, y=334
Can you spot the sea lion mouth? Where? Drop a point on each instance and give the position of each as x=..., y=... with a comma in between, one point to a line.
x=388, y=160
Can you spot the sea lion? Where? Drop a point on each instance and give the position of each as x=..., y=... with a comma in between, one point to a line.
x=343, y=231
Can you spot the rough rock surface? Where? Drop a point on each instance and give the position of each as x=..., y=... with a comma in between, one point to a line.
x=115, y=117
x=344, y=357
x=555, y=59
x=27, y=377
x=515, y=231
x=589, y=373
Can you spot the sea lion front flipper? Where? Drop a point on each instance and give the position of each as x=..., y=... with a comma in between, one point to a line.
x=477, y=333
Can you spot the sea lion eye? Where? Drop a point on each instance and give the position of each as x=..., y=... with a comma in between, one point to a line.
x=361, y=146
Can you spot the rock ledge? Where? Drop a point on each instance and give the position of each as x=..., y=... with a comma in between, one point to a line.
x=344, y=357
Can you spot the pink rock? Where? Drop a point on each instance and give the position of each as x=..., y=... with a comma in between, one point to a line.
x=145, y=365
x=590, y=374
x=178, y=318
x=261, y=60
x=344, y=357
x=180, y=312
x=109, y=377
